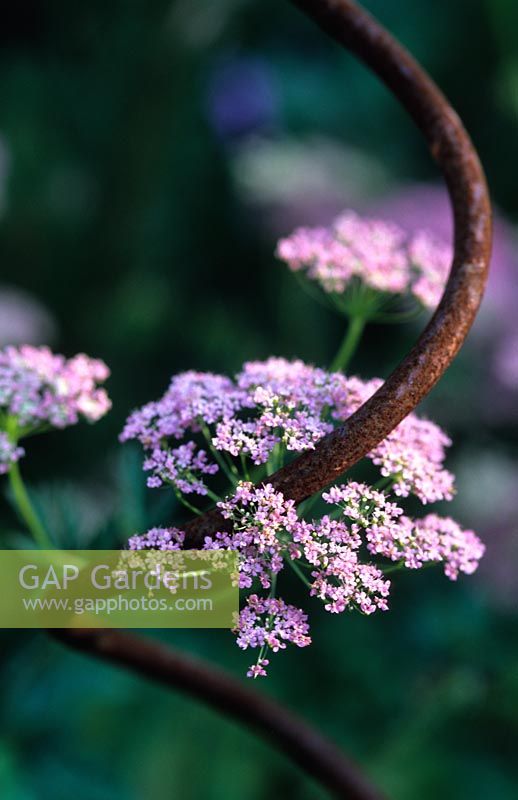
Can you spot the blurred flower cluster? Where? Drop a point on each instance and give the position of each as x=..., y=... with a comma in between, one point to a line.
x=40, y=390
x=377, y=253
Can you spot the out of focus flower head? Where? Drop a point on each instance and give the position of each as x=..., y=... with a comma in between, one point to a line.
x=40, y=390
x=427, y=206
x=241, y=98
x=292, y=180
x=378, y=254
x=496, y=327
x=23, y=319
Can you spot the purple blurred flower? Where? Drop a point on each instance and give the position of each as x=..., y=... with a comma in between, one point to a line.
x=506, y=361
x=293, y=181
x=427, y=206
x=241, y=97
x=23, y=319
x=495, y=333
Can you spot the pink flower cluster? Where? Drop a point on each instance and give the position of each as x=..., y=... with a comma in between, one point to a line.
x=379, y=254
x=204, y=419
x=267, y=533
x=431, y=258
x=270, y=624
x=9, y=453
x=260, y=517
x=412, y=542
x=268, y=403
x=338, y=577
x=158, y=539
x=288, y=400
x=413, y=453
x=39, y=389
x=193, y=401
x=207, y=422
x=182, y=466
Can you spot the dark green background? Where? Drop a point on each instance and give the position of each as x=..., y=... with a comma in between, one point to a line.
x=126, y=216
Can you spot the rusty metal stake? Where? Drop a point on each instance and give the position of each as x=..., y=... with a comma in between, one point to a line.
x=451, y=147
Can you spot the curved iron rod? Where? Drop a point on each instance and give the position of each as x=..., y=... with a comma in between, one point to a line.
x=313, y=753
x=405, y=387
x=437, y=346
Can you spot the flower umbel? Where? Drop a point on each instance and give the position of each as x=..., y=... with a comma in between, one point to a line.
x=207, y=424
x=40, y=390
x=270, y=624
x=378, y=254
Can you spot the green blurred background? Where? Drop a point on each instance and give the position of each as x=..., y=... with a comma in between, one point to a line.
x=151, y=154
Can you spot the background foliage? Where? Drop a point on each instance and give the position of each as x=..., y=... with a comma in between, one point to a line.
x=150, y=155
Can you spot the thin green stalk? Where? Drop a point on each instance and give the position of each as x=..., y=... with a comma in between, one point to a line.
x=274, y=463
x=392, y=568
x=188, y=505
x=308, y=504
x=273, y=585
x=297, y=570
x=26, y=509
x=385, y=483
x=349, y=344
x=244, y=467
x=213, y=496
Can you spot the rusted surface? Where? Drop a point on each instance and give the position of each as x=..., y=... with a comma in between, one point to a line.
x=406, y=386
x=308, y=748
x=453, y=151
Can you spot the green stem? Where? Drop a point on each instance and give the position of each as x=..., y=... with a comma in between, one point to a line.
x=308, y=504
x=385, y=483
x=213, y=496
x=275, y=461
x=273, y=584
x=297, y=570
x=26, y=509
x=244, y=467
x=181, y=499
x=349, y=344
x=392, y=568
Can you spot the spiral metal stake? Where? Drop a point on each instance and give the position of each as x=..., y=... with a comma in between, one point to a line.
x=451, y=147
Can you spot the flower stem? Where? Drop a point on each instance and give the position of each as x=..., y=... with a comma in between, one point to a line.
x=385, y=483
x=275, y=461
x=26, y=509
x=308, y=504
x=349, y=344
x=181, y=499
x=264, y=647
x=244, y=467
x=299, y=572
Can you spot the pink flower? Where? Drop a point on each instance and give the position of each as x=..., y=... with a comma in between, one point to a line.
x=339, y=577
x=268, y=410
x=158, y=539
x=378, y=253
x=270, y=624
x=261, y=518
x=39, y=389
x=275, y=404
x=389, y=533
